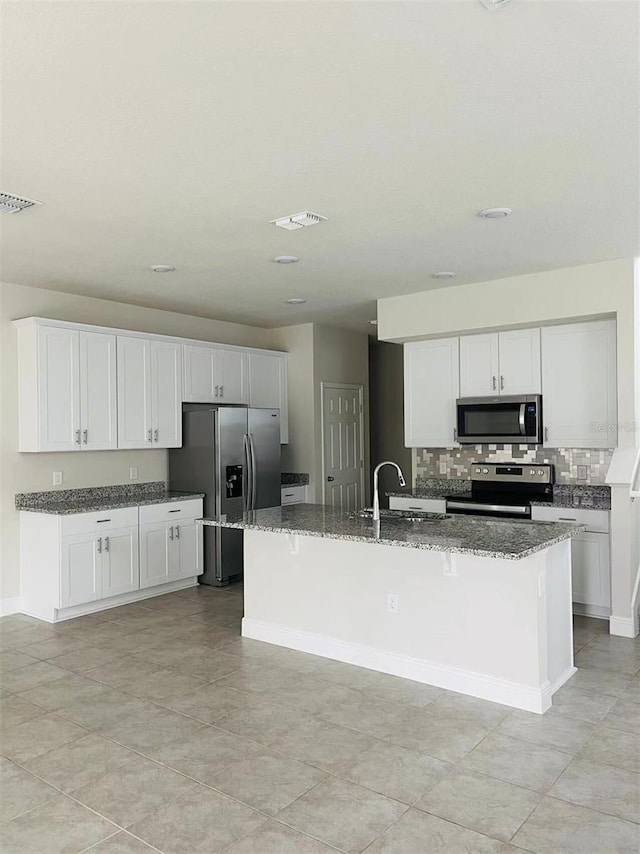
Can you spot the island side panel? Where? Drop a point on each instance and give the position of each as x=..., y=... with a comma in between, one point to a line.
x=470, y=624
x=557, y=631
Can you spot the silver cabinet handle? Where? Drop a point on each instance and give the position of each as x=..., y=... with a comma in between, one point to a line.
x=106, y=544
x=177, y=532
x=77, y=437
x=171, y=532
x=85, y=436
x=567, y=519
x=155, y=435
x=501, y=383
x=149, y=435
x=99, y=545
x=455, y=435
x=217, y=389
x=546, y=434
x=221, y=391
x=493, y=382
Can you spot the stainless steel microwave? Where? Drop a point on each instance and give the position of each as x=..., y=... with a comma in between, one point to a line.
x=511, y=419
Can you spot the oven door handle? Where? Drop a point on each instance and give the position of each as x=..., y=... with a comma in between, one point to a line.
x=523, y=431
x=521, y=510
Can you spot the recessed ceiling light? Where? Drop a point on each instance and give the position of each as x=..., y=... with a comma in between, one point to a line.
x=162, y=268
x=444, y=274
x=494, y=213
x=295, y=301
x=286, y=259
x=494, y=4
x=373, y=322
x=299, y=220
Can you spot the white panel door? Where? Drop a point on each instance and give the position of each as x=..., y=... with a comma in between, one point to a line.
x=431, y=383
x=120, y=561
x=166, y=394
x=579, y=385
x=479, y=368
x=343, y=456
x=98, y=411
x=58, y=389
x=156, y=554
x=590, y=569
x=187, y=542
x=80, y=569
x=268, y=386
x=134, y=393
x=232, y=376
x=520, y=362
x=199, y=374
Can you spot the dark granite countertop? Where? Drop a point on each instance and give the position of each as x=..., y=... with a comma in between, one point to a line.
x=96, y=498
x=292, y=478
x=474, y=535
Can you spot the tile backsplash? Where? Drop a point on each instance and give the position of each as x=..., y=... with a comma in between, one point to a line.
x=456, y=462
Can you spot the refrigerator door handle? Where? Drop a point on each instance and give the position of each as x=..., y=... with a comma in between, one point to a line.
x=254, y=484
x=246, y=472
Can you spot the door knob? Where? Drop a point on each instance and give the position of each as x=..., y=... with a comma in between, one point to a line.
x=330, y=478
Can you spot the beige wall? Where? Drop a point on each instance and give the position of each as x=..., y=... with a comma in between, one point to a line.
x=339, y=356
x=29, y=472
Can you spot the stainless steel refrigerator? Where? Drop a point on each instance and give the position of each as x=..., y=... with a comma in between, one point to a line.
x=232, y=455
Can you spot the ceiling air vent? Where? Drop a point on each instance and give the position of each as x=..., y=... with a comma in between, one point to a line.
x=15, y=204
x=299, y=220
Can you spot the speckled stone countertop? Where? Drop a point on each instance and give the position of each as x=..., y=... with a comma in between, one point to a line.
x=94, y=498
x=472, y=535
x=434, y=488
x=292, y=478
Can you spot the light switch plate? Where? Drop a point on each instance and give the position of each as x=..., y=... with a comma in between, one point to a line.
x=582, y=472
x=133, y=473
x=57, y=478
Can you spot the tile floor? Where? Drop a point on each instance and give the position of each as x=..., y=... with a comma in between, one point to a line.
x=156, y=727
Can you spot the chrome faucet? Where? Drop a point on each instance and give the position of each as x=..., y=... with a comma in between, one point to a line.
x=376, y=498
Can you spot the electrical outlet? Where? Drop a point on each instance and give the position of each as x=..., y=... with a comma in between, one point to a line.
x=582, y=472
x=57, y=478
x=133, y=473
x=392, y=603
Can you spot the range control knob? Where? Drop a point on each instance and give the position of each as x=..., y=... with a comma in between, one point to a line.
x=477, y=471
x=532, y=471
x=540, y=472
x=485, y=471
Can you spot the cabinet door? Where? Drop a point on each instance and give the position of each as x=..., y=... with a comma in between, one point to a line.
x=156, y=554
x=520, y=362
x=590, y=570
x=232, y=376
x=134, y=392
x=166, y=394
x=80, y=569
x=120, y=564
x=187, y=540
x=268, y=386
x=199, y=374
x=58, y=389
x=579, y=385
x=479, y=370
x=98, y=415
x=431, y=382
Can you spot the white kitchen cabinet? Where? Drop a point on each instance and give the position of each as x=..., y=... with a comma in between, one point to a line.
x=424, y=505
x=293, y=495
x=214, y=374
x=431, y=385
x=579, y=385
x=149, y=393
x=67, y=388
x=268, y=386
x=84, y=562
x=498, y=363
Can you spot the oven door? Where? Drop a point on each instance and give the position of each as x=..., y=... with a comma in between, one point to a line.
x=510, y=419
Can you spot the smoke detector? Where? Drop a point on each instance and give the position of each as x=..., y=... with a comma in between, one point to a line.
x=494, y=4
x=162, y=268
x=286, y=259
x=14, y=204
x=494, y=213
x=299, y=220
x=444, y=274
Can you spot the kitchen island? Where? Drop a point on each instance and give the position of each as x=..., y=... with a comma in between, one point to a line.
x=474, y=605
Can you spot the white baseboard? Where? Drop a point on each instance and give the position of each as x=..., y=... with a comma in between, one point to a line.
x=10, y=606
x=624, y=627
x=598, y=612
x=515, y=694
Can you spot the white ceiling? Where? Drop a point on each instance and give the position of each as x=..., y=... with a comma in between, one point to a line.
x=173, y=132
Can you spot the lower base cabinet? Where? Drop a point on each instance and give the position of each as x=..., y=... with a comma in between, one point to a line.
x=80, y=559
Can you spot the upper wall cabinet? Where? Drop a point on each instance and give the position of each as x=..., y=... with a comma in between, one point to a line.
x=579, y=385
x=149, y=393
x=500, y=363
x=268, y=386
x=214, y=375
x=67, y=389
x=431, y=386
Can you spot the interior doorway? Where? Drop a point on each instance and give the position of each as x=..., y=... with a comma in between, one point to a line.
x=343, y=445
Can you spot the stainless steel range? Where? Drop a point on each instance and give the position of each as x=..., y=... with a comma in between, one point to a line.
x=504, y=489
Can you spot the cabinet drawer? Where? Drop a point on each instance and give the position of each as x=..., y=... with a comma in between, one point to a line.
x=80, y=523
x=171, y=511
x=595, y=520
x=294, y=494
x=428, y=505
